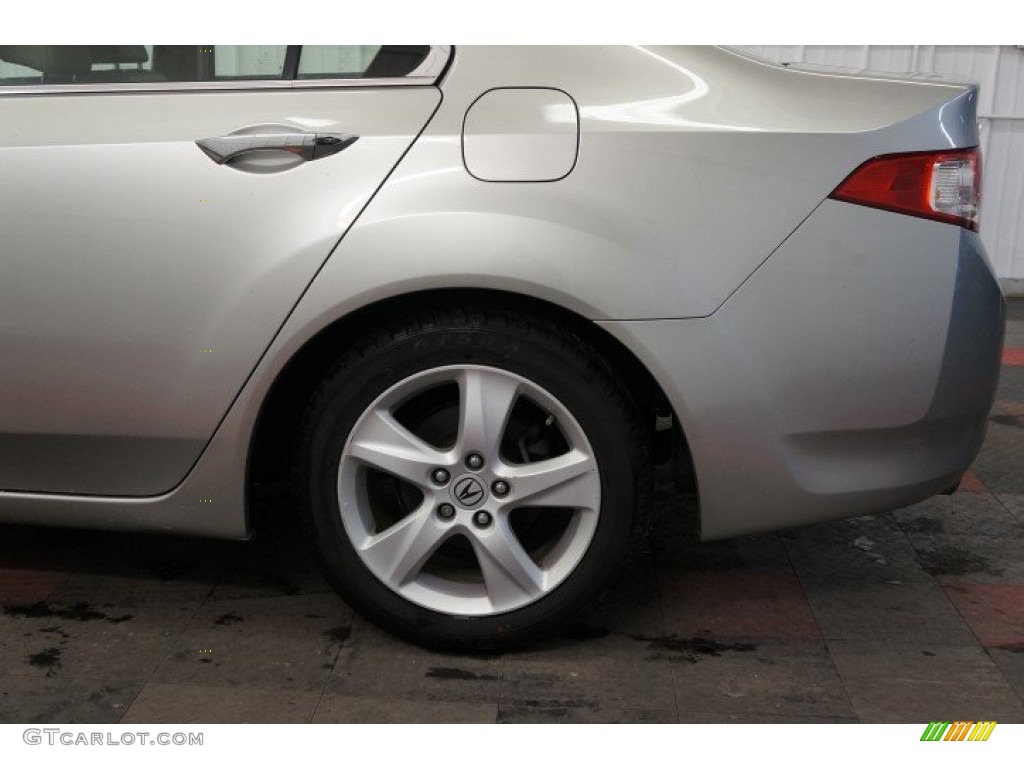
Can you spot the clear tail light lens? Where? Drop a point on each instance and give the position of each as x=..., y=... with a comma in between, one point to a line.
x=945, y=186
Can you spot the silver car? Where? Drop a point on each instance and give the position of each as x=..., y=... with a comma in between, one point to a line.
x=463, y=301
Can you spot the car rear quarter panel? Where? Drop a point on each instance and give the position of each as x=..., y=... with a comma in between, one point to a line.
x=694, y=165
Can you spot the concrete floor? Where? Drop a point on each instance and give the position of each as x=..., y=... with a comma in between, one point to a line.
x=912, y=616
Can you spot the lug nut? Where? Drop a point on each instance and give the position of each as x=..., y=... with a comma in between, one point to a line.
x=475, y=461
x=440, y=476
x=499, y=488
x=482, y=519
x=446, y=511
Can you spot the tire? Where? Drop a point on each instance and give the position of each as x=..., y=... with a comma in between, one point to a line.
x=452, y=559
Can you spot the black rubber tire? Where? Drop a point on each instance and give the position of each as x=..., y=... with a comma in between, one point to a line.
x=561, y=363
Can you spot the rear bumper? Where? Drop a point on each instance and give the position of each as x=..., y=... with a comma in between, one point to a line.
x=852, y=373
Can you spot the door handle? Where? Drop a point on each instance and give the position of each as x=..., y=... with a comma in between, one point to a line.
x=308, y=146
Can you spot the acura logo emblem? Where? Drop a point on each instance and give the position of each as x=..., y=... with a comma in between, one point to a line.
x=468, y=492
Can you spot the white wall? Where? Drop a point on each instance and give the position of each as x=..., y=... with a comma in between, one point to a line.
x=1000, y=71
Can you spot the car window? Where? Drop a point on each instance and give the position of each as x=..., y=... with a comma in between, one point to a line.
x=324, y=61
x=333, y=61
x=84, y=64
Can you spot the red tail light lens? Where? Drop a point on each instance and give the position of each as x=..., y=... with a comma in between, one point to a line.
x=945, y=186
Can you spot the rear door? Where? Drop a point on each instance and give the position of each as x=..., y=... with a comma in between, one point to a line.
x=143, y=275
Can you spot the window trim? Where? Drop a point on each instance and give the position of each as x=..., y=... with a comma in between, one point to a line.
x=427, y=73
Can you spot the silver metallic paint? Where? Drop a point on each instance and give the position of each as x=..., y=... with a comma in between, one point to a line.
x=655, y=189
x=686, y=230
x=127, y=255
x=817, y=391
x=521, y=134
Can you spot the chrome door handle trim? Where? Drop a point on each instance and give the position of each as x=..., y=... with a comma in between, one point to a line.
x=308, y=146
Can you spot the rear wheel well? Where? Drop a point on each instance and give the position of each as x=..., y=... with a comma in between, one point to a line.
x=276, y=431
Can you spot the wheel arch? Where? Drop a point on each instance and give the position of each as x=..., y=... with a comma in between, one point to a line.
x=276, y=427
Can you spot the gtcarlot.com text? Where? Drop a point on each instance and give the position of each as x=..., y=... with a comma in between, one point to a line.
x=61, y=737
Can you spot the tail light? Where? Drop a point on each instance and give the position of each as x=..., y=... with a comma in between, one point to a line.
x=945, y=186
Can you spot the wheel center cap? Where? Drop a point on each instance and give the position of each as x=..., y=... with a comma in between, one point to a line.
x=468, y=492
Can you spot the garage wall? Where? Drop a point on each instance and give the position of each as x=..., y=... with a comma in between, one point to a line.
x=1000, y=71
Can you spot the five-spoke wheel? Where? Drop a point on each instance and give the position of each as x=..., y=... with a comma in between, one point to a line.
x=476, y=478
x=473, y=480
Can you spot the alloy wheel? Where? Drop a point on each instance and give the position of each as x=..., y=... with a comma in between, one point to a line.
x=469, y=490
